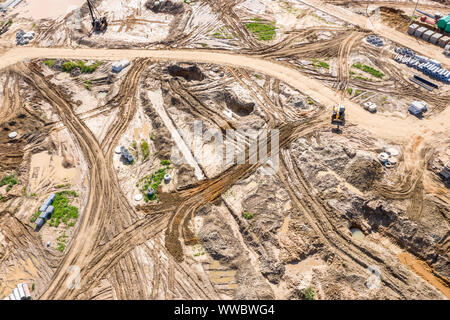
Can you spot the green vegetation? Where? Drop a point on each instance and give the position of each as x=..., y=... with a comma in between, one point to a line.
x=262, y=31
x=152, y=136
x=165, y=163
x=49, y=63
x=135, y=150
x=144, y=149
x=320, y=64
x=10, y=22
x=61, y=242
x=68, y=66
x=368, y=69
x=61, y=246
x=198, y=251
x=358, y=92
x=309, y=293
x=9, y=180
x=33, y=286
x=247, y=215
x=310, y=102
x=222, y=33
x=349, y=90
x=69, y=193
x=362, y=78
x=64, y=212
x=33, y=194
x=34, y=216
x=64, y=185
x=87, y=84
x=204, y=45
x=153, y=180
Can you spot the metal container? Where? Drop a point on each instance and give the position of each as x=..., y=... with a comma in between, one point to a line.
x=16, y=294
x=412, y=28
x=383, y=157
x=434, y=39
x=21, y=292
x=26, y=290
x=427, y=35
x=43, y=207
x=51, y=198
x=443, y=41
x=420, y=31
x=39, y=222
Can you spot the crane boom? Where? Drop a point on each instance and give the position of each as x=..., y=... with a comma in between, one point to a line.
x=99, y=24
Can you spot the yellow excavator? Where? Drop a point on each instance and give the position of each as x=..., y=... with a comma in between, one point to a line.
x=338, y=115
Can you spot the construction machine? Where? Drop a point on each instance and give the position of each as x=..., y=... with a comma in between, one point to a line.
x=99, y=24
x=338, y=116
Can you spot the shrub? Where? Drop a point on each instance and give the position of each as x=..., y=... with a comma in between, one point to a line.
x=68, y=66
x=9, y=180
x=320, y=64
x=64, y=212
x=34, y=216
x=309, y=293
x=247, y=215
x=144, y=149
x=165, y=162
x=153, y=180
x=368, y=69
x=262, y=31
x=87, y=84
x=49, y=63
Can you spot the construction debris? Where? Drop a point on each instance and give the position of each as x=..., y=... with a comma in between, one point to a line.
x=23, y=38
x=374, y=40
x=370, y=106
x=417, y=108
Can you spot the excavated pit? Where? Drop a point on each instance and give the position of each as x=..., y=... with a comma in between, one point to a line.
x=234, y=104
x=189, y=73
x=167, y=7
x=363, y=174
x=29, y=131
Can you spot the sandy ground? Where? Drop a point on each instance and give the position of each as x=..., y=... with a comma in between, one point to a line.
x=46, y=9
x=388, y=128
x=157, y=101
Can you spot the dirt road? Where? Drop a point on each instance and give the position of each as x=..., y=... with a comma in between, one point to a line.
x=388, y=128
x=103, y=181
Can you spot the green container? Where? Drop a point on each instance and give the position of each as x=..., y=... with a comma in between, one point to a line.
x=443, y=22
x=447, y=28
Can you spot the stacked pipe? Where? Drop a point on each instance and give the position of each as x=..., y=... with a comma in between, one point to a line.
x=430, y=67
